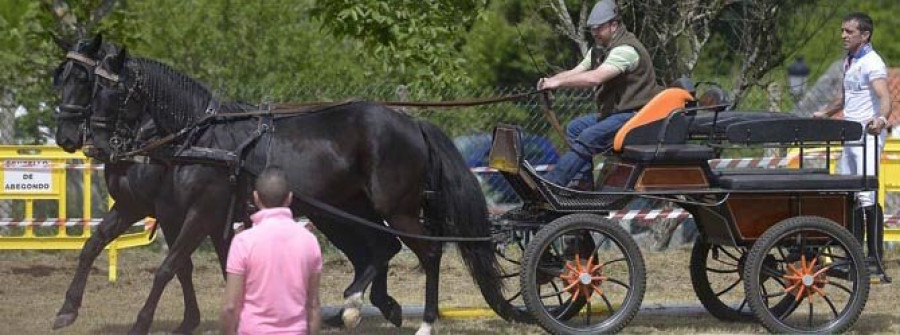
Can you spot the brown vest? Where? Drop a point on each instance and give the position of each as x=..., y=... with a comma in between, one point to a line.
x=632, y=89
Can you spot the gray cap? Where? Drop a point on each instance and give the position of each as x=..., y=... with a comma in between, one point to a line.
x=604, y=11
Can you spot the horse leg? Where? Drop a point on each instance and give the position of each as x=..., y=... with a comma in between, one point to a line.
x=429, y=255
x=381, y=248
x=192, y=233
x=116, y=222
x=353, y=245
x=191, y=318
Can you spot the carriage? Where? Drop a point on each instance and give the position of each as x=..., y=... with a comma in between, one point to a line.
x=790, y=236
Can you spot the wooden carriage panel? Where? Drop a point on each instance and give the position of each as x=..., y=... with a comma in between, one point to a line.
x=617, y=176
x=753, y=214
x=671, y=177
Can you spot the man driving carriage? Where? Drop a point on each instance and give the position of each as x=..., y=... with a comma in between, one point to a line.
x=626, y=81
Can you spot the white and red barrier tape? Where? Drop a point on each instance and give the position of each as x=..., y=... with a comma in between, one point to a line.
x=626, y=215
x=721, y=163
x=678, y=213
x=54, y=222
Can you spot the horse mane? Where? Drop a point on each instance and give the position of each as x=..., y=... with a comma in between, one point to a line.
x=174, y=99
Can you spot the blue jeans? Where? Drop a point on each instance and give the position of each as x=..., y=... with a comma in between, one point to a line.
x=588, y=137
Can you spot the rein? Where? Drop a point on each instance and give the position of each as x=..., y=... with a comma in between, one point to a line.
x=290, y=109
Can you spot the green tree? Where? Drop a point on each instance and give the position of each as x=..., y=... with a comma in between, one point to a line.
x=416, y=41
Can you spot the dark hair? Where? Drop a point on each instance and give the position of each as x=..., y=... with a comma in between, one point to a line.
x=863, y=22
x=271, y=186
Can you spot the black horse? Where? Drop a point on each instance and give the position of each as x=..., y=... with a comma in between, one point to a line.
x=140, y=190
x=136, y=187
x=361, y=157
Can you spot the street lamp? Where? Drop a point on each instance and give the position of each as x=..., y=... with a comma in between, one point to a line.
x=798, y=72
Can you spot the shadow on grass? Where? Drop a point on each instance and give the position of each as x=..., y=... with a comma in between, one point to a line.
x=158, y=327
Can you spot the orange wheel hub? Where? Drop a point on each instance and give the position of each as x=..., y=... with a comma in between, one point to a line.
x=583, y=278
x=806, y=281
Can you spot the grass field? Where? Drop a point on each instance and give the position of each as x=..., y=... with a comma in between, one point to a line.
x=32, y=287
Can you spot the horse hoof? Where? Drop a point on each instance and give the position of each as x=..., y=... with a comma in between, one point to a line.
x=351, y=318
x=396, y=315
x=334, y=321
x=63, y=320
x=425, y=329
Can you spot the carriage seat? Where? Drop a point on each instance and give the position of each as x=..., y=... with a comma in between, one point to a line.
x=652, y=135
x=778, y=181
x=674, y=153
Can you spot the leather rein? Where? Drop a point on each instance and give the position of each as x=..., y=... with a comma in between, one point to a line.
x=292, y=109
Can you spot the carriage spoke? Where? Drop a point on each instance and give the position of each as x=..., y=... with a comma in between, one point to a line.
x=772, y=295
x=511, y=275
x=613, y=280
x=614, y=261
x=736, y=259
x=566, y=308
x=557, y=293
x=842, y=287
x=830, y=304
x=809, y=320
x=789, y=309
x=587, y=316
x=609, y=306
x=599, y=244
x=514, y=296
x=558, y=297
x=729, y=288
x=742, y=305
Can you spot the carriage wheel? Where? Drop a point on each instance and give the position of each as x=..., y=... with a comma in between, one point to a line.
x=819, y=266
x=510, y=256
x=716, y=277
x=596, y=270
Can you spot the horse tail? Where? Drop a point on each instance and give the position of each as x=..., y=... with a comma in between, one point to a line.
x=457, y=207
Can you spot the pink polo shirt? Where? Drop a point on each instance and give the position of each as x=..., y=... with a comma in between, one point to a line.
x=276, y=258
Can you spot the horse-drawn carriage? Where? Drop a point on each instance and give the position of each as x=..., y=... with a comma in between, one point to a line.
x=790, y=236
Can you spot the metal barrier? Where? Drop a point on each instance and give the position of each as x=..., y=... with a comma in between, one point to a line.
x=31, y=173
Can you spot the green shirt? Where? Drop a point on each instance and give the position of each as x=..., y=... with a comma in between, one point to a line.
x=623, y=57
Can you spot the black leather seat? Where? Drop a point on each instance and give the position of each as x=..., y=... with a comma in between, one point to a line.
x=675, y=153
x=787, y=181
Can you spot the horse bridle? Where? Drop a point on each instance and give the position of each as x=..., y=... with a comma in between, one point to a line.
x=120, y=130
x=78, y=112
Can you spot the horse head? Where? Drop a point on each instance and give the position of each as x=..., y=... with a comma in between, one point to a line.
x=117, y=120
x=74, y=79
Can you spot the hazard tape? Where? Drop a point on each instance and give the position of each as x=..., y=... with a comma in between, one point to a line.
x=55, y=222
x=720, y=163
x=678, y=213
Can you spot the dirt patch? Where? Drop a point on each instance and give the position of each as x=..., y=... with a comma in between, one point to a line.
x=37, y=283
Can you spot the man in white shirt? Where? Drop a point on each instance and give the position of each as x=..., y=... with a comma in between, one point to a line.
x=867, y=100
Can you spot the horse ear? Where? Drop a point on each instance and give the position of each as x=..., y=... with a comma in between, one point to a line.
x=118, y=62
x=63, y=44
x=94, y=46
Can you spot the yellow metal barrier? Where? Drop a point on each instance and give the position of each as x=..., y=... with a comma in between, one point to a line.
x=32, y=173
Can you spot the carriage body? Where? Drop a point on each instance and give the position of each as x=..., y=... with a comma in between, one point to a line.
x=666, y=157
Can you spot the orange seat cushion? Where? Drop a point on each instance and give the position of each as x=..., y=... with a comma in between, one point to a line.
x=663, y=104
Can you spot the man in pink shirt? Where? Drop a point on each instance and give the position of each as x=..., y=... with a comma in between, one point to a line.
x=273, y=270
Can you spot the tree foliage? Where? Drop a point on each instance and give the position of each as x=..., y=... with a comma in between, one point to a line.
x=417, y=41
